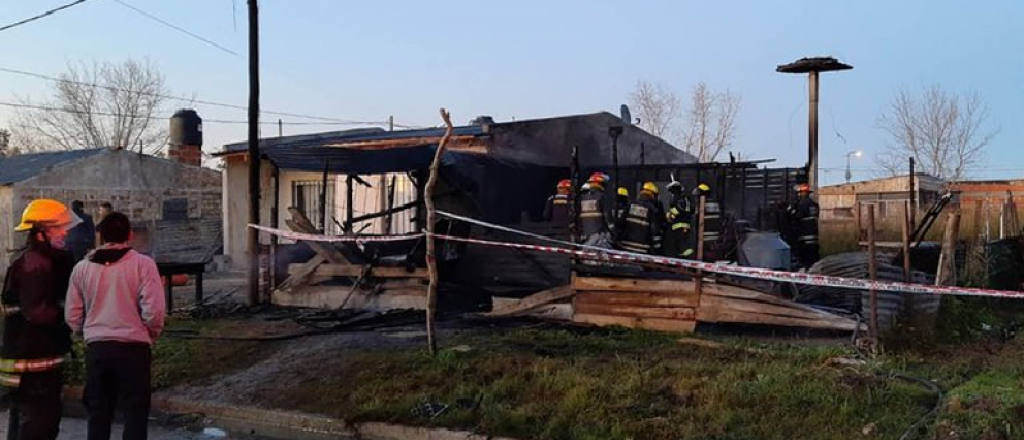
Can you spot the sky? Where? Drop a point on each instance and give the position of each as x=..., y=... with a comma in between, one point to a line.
x=366, y=61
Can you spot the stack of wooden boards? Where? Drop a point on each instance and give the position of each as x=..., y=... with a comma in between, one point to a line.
x=675, y=305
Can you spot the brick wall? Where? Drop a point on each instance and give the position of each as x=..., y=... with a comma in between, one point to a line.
x=186, y=154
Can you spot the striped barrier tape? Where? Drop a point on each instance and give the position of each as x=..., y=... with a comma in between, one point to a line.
x=618, y=256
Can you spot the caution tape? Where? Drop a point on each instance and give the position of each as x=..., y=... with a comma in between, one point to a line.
x=303, y=236
x=618, y=256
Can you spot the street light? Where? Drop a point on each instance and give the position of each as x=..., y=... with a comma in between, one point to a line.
x=855, y=153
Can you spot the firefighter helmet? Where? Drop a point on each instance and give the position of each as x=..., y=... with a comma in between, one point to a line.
x=650, y=187
x=674, y=185
x=803, y=188
x=564, y=184
x=623, y=192
x=47, y=213
x=702, y=189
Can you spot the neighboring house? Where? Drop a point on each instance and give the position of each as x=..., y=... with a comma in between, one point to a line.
x=991, y=192
x=499, y=172
x=175, y=205
x=888, y=195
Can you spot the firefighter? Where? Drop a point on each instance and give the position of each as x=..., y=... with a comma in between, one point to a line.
x=593, y=214
x=803, y=219
x=557, y=208
x=640, y=223
x=678, y=239
x=35, y=337
x=621, y=201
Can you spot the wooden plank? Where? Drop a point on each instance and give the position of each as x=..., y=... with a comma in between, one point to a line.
x=765, y=319
x=533, y=301
x=349, y=270
x=667, y=325
x=684, y=313
x=301, y=273
x=719, y=304
x=648, y=299
x=632, y=284
x=333, y=255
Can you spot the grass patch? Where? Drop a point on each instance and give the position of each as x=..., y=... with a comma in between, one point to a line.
x=560, y=384
x=179, y=361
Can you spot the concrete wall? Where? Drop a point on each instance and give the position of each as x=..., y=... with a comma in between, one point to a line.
x=134, y=184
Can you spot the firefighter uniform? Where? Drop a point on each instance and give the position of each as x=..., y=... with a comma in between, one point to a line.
x=593, y=214
x=678, y=239
x=640, y=223
x=803, y=214
x=35, y=336
x=557, y=207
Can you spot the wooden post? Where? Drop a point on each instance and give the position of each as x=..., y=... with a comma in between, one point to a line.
x=254, y=154
x=856, y=215
x=349, y=206
x=913, y=192
x=872, y=275
x=431, y=221
x=701, y=204
x=275, y=221
x=906, y=241
x=946, y=274
x=323, y=200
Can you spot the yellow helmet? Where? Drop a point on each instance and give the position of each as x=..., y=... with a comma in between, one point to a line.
x=623, y=192
x=650, y=187
x=47, y=213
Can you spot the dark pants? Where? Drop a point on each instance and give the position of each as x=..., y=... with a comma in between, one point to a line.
x=117, y=374
x=36, y=406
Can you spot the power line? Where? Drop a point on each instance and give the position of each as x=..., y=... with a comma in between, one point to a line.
x=44, y=14
x=124, y=115
x=177, y=28
x=182, y=98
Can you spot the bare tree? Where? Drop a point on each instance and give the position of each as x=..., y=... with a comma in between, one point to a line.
x=5, y=141
x=944, y=132
x=98, y=104
x=711, y=122
x=657, y=107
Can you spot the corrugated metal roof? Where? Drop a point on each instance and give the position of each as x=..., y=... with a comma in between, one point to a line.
x=21, y=167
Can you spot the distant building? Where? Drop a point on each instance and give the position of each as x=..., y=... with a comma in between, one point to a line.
x=174, y=204
x=888, y=195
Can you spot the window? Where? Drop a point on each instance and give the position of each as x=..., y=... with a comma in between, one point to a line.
x=306, y=198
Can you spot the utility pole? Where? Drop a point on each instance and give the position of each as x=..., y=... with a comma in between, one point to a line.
x=254, y=153
x=812, y=66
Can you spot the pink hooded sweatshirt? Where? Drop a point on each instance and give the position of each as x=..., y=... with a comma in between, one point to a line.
x=116, y=295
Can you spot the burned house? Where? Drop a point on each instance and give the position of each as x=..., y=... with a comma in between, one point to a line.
x=370, y=183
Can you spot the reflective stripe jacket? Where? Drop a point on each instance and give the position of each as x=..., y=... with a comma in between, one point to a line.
x=593, y=216
x=804, y=217
x=36, y=283
x=557, y=209
x=638, y=226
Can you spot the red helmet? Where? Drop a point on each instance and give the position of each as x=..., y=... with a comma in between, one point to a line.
x=803, y=188
x=564, y=184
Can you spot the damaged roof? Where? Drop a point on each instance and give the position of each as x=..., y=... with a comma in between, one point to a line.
x=14, y=169
x=544, y=141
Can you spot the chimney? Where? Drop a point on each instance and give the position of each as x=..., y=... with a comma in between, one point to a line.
x=186, y=138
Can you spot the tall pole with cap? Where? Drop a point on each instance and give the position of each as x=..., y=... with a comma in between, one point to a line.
x=812, y=67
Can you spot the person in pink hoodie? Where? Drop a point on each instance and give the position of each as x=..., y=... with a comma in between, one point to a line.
x=115, y=301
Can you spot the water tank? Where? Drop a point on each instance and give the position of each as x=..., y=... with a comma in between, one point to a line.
x=186, y=128
x=765, y=249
